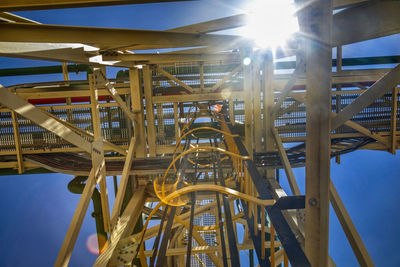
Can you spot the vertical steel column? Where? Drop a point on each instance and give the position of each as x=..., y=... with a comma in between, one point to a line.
x=268, y=121
x=137, y=109
x=148, y=95
x=248, y=103
x=316, y=22
x=339, y=86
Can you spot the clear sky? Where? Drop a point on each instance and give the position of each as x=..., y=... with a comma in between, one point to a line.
x=37, y=209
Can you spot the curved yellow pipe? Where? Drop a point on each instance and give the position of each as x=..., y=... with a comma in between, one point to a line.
x=187, y=125
x=191, y=150
x=202, y=128
x=216, y=188
x=178, y=143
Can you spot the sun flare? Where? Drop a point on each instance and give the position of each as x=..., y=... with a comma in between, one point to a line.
x=270, y=22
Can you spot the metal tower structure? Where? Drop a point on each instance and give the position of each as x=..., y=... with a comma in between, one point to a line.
x=197, y=133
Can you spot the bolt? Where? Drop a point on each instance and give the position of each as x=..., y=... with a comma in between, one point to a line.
x=312, y=201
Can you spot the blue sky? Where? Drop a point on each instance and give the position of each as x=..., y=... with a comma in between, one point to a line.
x=37, y=209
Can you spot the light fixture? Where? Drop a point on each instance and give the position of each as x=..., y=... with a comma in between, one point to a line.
x=270, y=22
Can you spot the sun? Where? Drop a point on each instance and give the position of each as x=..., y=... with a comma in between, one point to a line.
x=270, y=22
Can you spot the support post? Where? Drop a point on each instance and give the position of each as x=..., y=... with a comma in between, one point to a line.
x=257, y=106
x=338, y=86
x=64, y=67
x=394, y=120
x=98, y=161
x=248, y=111
x=176, y=122
x=148, y=95
x=73, y=230
x=137, y=109
x=317, y=24
x=123, y=183
x=268, y=106
x=17, y=141
x=356, y=243
x=286, y=164
x=101, y=78
x=201, y=66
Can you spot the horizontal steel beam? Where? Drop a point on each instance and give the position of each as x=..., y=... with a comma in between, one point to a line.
x=162, y=58
x=17, y=5
x=104, y=37
x=371, y=20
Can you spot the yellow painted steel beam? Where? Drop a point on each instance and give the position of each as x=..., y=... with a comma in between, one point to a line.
x=199, y=97
x=300, y=69
x=370, y=20
x=98, y=161
x=286, y=164
x=17, y=5
x=173, y=78
x=257, y=124
x=315, y=20
x=231, y=22
x=65, y=252
x=68, y=93
x=138, y=110
x=116, y=210
x=9, y=17
x=150, y=118
x=17, y=141
x=165, y=58
x=213, y=25
x=356, y=243
x=103, y=37
x=248, y=103
x=345, y=76
x=69, y=54
x=14, y=165
x=101, y=79
x=268, y=104
x=124, y=225
x=226, y=78
x=393, y=123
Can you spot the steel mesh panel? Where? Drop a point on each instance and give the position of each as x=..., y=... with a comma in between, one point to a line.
x=291, y=119
x=375, y=117
x=165, y=123
x=209, y=236
x=117, y=129
x=189, y=73
x=238, y=107
x=397, y=98
x=7, y=142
